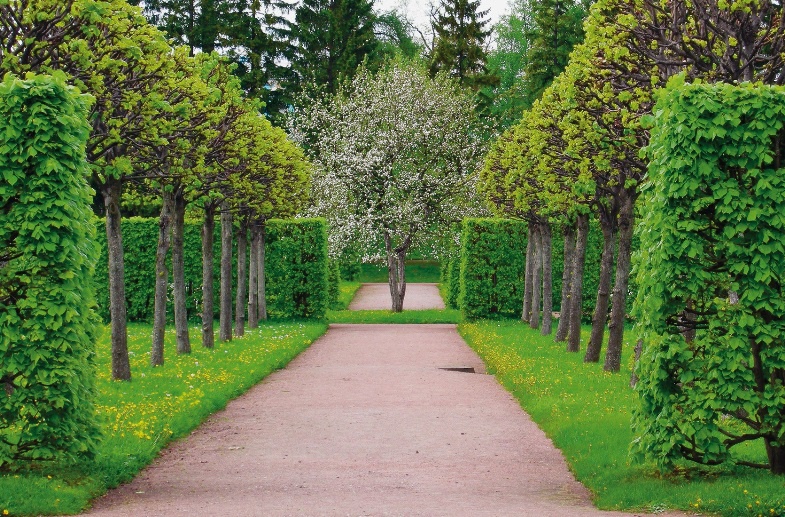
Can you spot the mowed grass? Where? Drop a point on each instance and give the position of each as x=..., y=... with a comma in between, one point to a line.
x=586, y=412
x=407, y=316
x=417, y=271
x=140, y=417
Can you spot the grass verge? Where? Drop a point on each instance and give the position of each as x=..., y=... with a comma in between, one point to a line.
x=140, y=417
x=586, y=412
x=417, y=271
x=420, y=316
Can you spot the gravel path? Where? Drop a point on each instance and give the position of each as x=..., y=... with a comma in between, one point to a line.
x=377, y=297
x=370, y=420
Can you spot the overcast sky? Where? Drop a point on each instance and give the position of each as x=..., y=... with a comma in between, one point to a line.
x=418, y=9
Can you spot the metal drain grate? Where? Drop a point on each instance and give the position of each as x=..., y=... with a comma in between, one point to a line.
x=462, y=369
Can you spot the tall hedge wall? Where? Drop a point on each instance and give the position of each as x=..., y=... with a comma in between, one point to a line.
x=47, y=259
x=297, y=269
x=492, y=267
x=498, y=247
x=140, y=237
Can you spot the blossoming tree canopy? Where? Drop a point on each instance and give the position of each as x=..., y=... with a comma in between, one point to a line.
x=395, y=156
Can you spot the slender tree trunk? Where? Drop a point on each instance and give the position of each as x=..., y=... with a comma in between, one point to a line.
x=396, y=270
x=638, y=351
x=546, y=236
x=536, y=279
x=576, y=285
x=262, y=284
x=566, y=283
x=178, y=274
x=242, y=261
x=208, y=293
x=620, y=284
x=603, y=291
x=253, y=278
x=161, y=279
x=527, y=280
x=121, y=366
x=226, y=273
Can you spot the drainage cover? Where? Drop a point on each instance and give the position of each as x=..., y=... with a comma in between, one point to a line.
x=463, y=369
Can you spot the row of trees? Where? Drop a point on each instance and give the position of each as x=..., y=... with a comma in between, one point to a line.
x=164, y=124
x=577, y=151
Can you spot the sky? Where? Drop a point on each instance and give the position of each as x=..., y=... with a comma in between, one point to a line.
x=418, y=9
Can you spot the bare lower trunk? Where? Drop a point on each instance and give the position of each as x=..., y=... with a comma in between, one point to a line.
x=638, y=351
x=178, y=275
x=546, y=237
x=527, y=279
x=226, y=274
x=396, y=270
x=603, y=292
x=161, y=279
x=253, y=278
x=208, y=295
x=534, y=315
x=242, y=262
x=620, y=284
x=566, y=283
x=262, y=283
x=121, y=366
x=576, y=285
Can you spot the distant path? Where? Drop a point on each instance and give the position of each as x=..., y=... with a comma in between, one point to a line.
x=377, y=297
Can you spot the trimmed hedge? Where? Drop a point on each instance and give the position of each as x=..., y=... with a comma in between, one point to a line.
x=296, y=267
x=492, y=267
x=47, y=258
x=498, y=247
x=140, y=237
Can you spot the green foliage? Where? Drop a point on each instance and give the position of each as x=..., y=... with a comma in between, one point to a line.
x=333, y=282
x=493, y=259
x=139, y=236
x=417, y=271
x=453, y=282
x=162, y=404
x=712, y=250
x=296, y=268
x=47, y=259
x=586, y=412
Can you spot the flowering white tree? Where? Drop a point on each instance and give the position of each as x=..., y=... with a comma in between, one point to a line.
x=395, y=159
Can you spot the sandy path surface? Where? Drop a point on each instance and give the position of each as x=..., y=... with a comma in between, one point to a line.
x=364, y=422
x=377, y=297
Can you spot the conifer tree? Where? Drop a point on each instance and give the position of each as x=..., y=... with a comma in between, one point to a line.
x=460, y=30
x=333, y=37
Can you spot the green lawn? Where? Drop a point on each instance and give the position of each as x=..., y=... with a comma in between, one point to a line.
x=417, y=271
x=586, y=412
x=140, y=417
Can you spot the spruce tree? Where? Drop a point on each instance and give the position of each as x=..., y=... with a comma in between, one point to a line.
x=460, y=32
x=332, y=38
x=194, y=23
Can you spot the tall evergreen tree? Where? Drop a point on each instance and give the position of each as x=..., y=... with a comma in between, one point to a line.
x=557, y=26
x=194, y=23
x=460, y=34
x=332, y=38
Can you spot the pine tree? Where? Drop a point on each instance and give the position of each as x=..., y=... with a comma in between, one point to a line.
x=333, y=37
x=194, y=23
x=460, y=31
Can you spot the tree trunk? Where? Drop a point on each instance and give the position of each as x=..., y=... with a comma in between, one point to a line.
x=178, y=274
x=776, y=455
x=566, y=283
x=242, y=262
x=208, y=294
x=603, y=291
x=253, y=278
x=262, y=283
x=161, y=279
x=225, y=323
x=527, y=279
x=638, y=351
x=619, y=303
x=536, y=279
x=121, y=366
x=396, y=270
x=576, y=285
x=546, y=237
